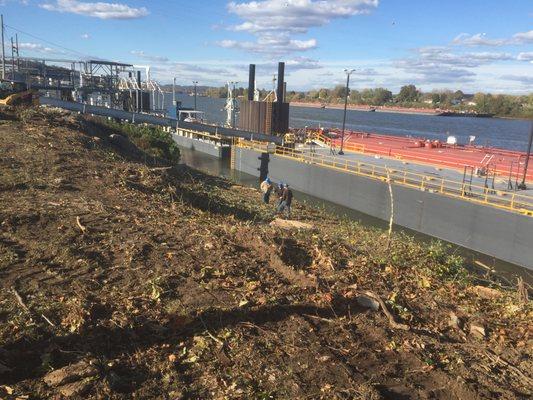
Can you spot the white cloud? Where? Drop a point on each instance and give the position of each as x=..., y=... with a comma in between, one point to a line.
x=275, y=22
x=443, y=56
x=291, y=65
x=85, y=36
x=270, y=45
x=523, y=37
x=39, y=48
x=207, y=73
x=295, y=16
x=526, y=56
x=487, y=57
x=23, y=2
x=100, y=10
x=479, y=39
x=524, y=79
x=440, y=65
x=148, y=57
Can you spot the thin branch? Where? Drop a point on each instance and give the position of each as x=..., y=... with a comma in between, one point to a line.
x=386, y=311
x=20, y=301
x=83, y=229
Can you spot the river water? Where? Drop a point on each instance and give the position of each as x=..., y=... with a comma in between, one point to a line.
x=516, y=131
x=503, y=133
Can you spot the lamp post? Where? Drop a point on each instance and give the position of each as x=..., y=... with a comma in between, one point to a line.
x=174, y=92
x=195, y=83
x=348, y=73
x=528, y=154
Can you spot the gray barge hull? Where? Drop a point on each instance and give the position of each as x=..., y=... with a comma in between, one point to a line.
x=212, y=148
x=496, y=232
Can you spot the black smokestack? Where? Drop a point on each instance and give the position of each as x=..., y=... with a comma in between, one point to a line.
x=251, y=82
x=281, y=79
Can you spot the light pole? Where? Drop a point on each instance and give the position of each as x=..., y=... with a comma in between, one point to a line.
x=528, y=154
x=174, y=92
x=195, y=83
x=348, y=73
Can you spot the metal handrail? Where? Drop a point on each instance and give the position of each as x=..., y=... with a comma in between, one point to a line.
x=470, y=192
x=207, y=135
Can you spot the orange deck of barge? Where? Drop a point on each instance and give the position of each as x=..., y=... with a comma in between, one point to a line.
x=505, y=163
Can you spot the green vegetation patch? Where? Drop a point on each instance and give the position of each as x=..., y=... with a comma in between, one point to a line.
x=151, y=139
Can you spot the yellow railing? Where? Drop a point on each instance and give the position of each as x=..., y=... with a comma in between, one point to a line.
x=355, y=147
x=205, y=136
x=470, y=192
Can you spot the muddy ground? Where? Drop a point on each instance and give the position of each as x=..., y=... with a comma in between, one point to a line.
x=121, y=278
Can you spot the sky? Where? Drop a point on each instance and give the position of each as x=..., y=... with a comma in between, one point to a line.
x=474, y=45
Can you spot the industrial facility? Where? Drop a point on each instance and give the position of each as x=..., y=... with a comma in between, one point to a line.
x=269, y=116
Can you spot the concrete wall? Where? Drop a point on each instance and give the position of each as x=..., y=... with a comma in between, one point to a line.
x=498, y=233
x=206, y=147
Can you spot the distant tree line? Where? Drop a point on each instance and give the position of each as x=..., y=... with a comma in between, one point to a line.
x=408, y=96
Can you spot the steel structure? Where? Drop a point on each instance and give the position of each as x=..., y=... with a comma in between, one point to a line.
x=96, y=82
x=231, y=106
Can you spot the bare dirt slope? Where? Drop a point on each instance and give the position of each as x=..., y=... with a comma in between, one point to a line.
x=146, y=282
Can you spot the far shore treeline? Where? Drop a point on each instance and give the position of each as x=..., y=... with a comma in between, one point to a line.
x=502, y=105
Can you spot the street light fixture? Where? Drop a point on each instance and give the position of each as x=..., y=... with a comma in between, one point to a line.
x=348, y=73
x=174, y=92
x=195, y=83
x=523, y=185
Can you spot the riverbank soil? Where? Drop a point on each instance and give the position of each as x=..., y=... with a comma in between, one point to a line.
x=121, y=278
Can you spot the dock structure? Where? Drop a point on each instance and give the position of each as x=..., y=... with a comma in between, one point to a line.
x=187, y=128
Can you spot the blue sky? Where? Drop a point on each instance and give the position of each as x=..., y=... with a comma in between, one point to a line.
x=474, y=45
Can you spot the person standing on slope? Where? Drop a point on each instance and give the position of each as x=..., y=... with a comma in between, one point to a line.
x=266, y=188
x=286, y=201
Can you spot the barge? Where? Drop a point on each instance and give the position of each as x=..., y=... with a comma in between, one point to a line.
x=487, y=161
